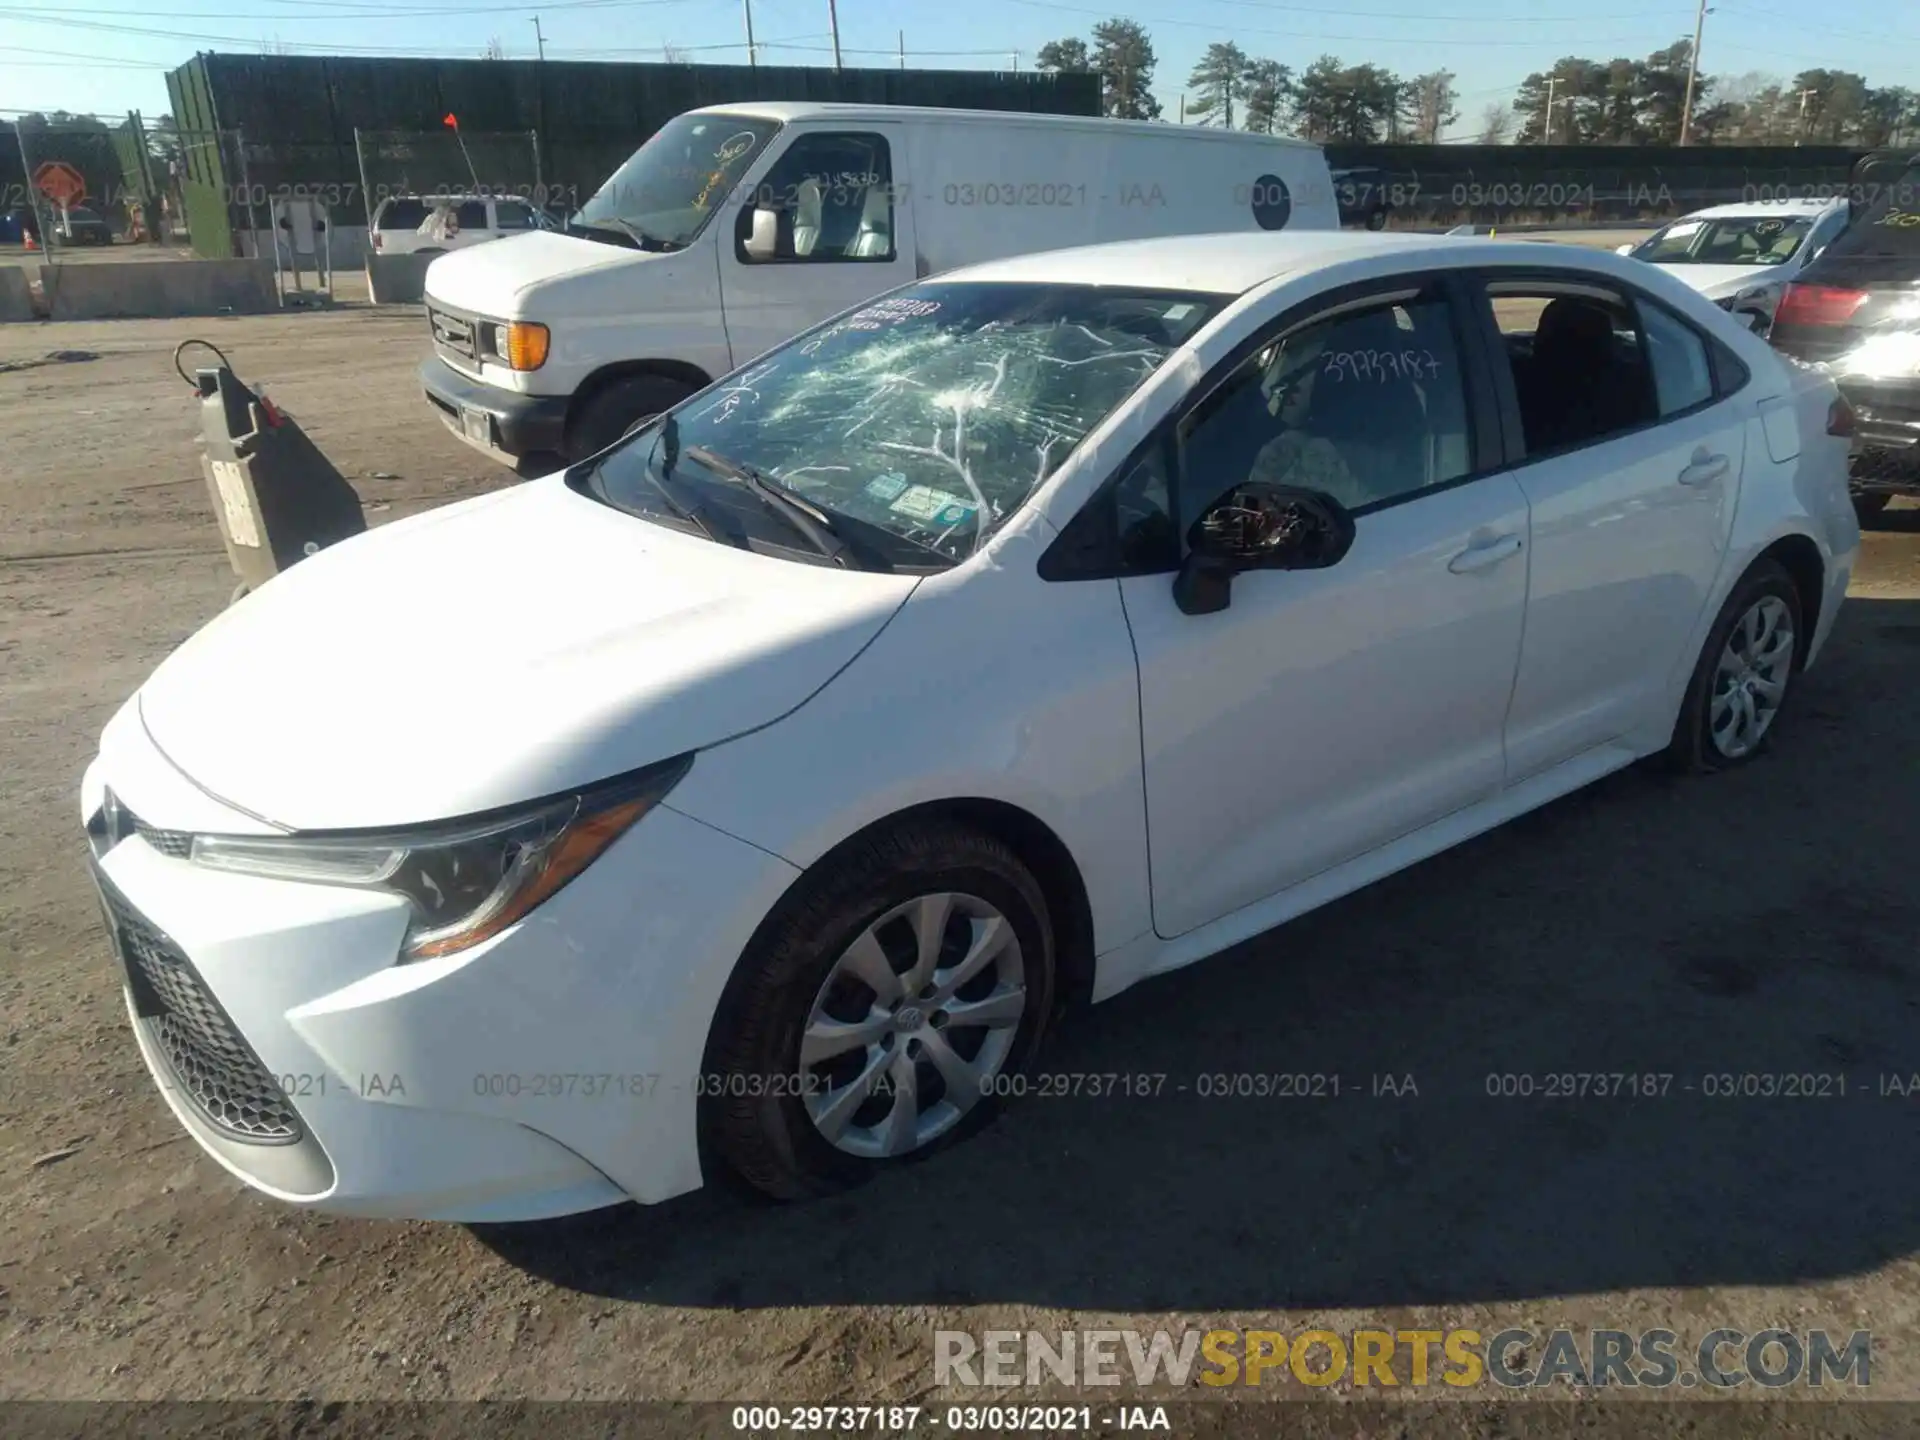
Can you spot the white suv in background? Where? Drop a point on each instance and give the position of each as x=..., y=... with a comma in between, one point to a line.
x=433, y=224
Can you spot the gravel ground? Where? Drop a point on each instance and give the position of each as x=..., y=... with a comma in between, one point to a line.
x=1756, y=922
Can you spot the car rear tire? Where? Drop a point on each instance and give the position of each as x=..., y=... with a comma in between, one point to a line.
x=1869, y=507
x=617, y=408
x=1744, y=675
x=881, y=1013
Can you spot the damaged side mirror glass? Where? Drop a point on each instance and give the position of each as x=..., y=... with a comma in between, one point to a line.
x=1259, y=527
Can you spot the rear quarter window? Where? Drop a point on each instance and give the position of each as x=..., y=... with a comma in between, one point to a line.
x=402, y=215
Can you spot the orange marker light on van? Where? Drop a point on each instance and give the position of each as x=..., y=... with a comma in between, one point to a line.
x=526, y=347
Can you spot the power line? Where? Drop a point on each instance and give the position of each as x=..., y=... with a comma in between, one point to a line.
x=1308, y=34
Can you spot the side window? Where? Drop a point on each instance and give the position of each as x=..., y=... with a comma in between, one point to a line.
x=402, y=215
x=472, y=215
x=512, y=215
x=1682, y=374
x=1368, y=404
x=1579, y=372
x=833, y=195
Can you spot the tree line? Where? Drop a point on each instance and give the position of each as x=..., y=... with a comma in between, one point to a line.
x=1576, y=102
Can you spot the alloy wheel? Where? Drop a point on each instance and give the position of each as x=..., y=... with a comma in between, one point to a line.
x=913, y=1025
x=1751, y=678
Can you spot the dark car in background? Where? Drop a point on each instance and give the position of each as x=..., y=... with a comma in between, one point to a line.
x=1366, y=195
x=81, y=226
x=1855, y=311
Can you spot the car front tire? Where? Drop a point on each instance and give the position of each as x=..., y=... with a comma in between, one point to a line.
x=1744, y=674
x=882, y=1012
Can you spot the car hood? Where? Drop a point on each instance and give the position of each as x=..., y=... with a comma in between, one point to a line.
x=498, y=650
x=1718, y=282
x=486, y=278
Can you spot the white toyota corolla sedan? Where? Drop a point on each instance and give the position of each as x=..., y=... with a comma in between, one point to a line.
x=756, y=794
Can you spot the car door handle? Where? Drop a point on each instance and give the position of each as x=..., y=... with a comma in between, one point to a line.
x=1704, y=470
x=1484, y=557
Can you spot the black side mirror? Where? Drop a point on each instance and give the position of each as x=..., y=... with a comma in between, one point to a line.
x=1259, y=527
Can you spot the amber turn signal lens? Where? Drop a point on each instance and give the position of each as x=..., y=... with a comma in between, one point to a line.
x=526, y=345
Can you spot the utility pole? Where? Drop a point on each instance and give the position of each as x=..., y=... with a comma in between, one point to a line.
x=903, y=49
x=1183, y=107
x=1693, y=71
x=539, y=39
x=753, y=55
x=1546, y=124
x=1016, y=59
x=833, y=22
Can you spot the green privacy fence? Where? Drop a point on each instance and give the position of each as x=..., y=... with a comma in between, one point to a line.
x=296, y=115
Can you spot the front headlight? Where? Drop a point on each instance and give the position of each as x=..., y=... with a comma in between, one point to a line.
x=465, y=880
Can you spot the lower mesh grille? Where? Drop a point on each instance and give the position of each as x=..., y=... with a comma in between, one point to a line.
x=216, y=1069
x=176, y=843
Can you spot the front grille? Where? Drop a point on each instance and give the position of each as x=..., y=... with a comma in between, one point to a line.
x=454, y=336
x=215, y=1068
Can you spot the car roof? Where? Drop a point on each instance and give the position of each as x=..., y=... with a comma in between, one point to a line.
x=1761, y=209
x=1233, y=264
x=790, y=110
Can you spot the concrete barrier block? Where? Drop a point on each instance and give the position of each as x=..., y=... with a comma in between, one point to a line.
x=398, y=279
x=160, y=290
x=16, y=298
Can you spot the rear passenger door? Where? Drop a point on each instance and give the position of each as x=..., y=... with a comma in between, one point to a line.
x=1628, y=444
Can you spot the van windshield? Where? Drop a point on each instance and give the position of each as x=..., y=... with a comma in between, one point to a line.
x=917, y=423
x=665, y=194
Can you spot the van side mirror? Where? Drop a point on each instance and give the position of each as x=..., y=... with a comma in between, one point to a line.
x=1626, y=249
x=1257, y=526
x=763, y=235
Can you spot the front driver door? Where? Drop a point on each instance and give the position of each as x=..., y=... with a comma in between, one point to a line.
x=1327, y=712
x=845, y=234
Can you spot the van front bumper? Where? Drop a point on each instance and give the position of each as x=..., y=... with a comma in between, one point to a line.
x=501, y=424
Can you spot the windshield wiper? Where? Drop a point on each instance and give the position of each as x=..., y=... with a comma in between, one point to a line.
x=615, y=225
x=800, y=514
x=669, y=440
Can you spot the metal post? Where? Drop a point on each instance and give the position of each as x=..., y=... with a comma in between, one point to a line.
x=833, y=23
x=1693, y=69
x=903, y=49
x=539, y=178
x=539, y=38
x=253, y=231
x=1546, y=129
x=366, y=192
x=753, y=57
x=1183, y=107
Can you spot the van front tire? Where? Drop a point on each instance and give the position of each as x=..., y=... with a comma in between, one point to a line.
x=617, y=408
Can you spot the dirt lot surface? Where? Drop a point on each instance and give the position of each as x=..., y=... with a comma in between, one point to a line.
x=1761, y=922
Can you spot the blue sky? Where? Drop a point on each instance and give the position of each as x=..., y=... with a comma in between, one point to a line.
x=109, y=56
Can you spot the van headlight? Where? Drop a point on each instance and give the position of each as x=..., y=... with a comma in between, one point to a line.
x=466, y=880
x=520, y=344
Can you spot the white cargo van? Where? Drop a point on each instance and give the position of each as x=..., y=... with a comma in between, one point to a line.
x=737, y=226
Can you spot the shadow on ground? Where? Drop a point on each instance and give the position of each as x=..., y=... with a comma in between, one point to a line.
x=1758, y=923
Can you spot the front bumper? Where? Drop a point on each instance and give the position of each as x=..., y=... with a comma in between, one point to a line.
x=516, y=426
x=550, y=1070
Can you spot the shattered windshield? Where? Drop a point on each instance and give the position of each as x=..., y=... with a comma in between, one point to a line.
x=926, y=417
x=664, y=194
